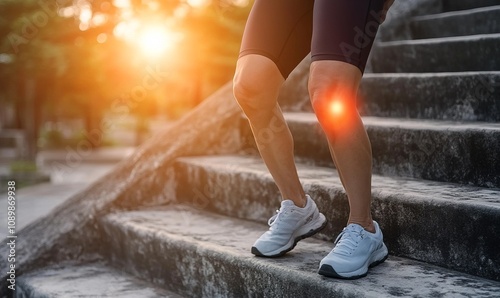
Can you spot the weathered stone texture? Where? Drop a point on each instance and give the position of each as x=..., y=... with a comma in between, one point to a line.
x=72, y=230
x=210, y=255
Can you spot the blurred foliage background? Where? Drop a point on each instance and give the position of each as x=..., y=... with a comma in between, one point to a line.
x=71, y=69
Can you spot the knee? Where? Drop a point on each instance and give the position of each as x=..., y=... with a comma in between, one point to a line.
x=256, y=85
x=246, y=91
x=333, y=101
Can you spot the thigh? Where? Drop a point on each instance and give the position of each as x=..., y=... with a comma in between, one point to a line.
x=344, y=30
x=280, y=30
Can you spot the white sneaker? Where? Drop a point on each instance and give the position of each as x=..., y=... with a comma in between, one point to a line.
x=355, y=251
x=288, y=226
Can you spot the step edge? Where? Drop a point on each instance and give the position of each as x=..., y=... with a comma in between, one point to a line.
x=373, y=75
x=440, y=40
x=458, y=13
x=406, y=123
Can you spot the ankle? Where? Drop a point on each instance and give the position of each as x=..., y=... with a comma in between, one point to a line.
x=370, y=228
x=298, y=199
x=301, y=203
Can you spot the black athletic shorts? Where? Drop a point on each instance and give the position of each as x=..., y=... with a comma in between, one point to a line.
x=285, y=31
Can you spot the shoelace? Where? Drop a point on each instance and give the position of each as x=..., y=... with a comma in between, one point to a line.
x=274, y=218
x=347, y=241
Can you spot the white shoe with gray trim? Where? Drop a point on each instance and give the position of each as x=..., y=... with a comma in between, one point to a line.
x=288, y=226
x=355, y=251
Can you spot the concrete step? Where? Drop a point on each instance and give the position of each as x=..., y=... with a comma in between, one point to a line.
x=450, y=225
x=445, y=151
x=483, y=20
x=200, y=254
x=448, y=54
x=457, y=96
x=450, y=5
x=92, y=279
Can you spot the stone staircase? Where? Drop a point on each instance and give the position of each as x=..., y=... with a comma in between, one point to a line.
x=431, y=105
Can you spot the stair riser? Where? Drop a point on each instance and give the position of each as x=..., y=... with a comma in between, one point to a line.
x=257, y=198
x=484, y=22
x=467, y=157
x=395, y=27
x=468, y=97
x=450, y=5
x=444, y=56
x=193, y=270
x=452, y=236
x=431, y=231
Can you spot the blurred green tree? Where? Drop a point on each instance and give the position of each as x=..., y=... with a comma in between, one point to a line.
x=81, y=59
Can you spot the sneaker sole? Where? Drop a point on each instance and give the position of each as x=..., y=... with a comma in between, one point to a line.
x=328, y=271
x=256, y=252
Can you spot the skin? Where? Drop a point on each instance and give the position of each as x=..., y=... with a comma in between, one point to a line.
x=257, y=83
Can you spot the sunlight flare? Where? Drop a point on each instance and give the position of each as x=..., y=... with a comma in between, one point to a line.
x=198, y=3
x=155, y=40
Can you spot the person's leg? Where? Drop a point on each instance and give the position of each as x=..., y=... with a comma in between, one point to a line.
x=343, y=33
x=335, y=75
x=277, y=37
x=333, y=89
x=256, y=87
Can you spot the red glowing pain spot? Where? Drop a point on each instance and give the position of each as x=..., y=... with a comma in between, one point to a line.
x=336, y=107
